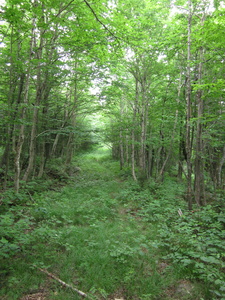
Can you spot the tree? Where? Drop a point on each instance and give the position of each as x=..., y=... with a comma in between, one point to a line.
x=39, y=56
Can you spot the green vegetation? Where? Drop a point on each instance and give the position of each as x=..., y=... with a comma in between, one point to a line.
x=143, y=218
x=110, y=237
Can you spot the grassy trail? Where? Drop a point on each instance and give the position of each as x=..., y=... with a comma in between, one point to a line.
x=99, y=234
x=110, y=251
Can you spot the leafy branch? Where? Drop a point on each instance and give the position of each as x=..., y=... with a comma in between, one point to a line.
x=97, y=19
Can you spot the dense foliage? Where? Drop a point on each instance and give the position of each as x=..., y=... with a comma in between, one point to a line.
x=154, y=69
x=111, y=237
x=145, y=78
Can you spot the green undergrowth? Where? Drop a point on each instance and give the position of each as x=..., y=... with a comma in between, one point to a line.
x=111, y=238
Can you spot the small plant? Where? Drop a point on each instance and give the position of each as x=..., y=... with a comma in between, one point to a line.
x=196, y=243
x=14, y=233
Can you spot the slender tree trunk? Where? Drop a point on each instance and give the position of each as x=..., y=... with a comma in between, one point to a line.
x=161, y=155
x=199, y=158
x=5, y=158
x=32, y=148
x=219, y=171
x=70, y=142
x=121, y=142
x=55, y=143
x=121, y=151
x=181, y=134
x=144, y=115
x=56, y=140
x=42, y=164
x=20, y=139
x=133, y=156
x=150, y=162
x=51, y=54
x=127, y=149
x=133, y=131
x=171, y=146
x=182, y=154
x=144, y=86
x=189, y=114
x=39, y=92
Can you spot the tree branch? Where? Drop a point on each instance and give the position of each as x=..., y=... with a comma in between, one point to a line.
x=62, y=282
x=63, y=8
x=97, y=18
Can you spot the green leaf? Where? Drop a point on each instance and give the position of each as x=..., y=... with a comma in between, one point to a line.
x=210, y=259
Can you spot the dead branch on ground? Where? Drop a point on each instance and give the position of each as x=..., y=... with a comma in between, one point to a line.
x=62, y=282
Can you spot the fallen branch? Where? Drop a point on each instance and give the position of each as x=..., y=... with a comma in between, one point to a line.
x=62, y=282
x=180, y=213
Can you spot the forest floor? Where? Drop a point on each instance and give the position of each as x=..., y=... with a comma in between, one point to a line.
x=101, y=233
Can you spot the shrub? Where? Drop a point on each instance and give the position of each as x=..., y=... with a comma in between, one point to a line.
x=196, y=243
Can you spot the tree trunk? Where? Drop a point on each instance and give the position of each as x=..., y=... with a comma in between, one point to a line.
x=199, y=158
x=121, y=142
x=144, y=114
x=70, y=142
x=133, y=131
x=188, y=107
x=127, y=149
x=20, y=138
x=121, y=151
x=219, y=172
x=170, y=148
x=39, y=91
x=45, y=145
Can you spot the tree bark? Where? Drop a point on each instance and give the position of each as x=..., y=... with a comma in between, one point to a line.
x=219, y=172
x=20, y=138
x=121, y=141
x=189, y=113
x=39, y=91
x=70, y=142
x=199, y=158
x=133, y=131
x=144, y=115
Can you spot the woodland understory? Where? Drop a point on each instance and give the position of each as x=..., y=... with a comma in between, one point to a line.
x=112, y=149
x=100, y=233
